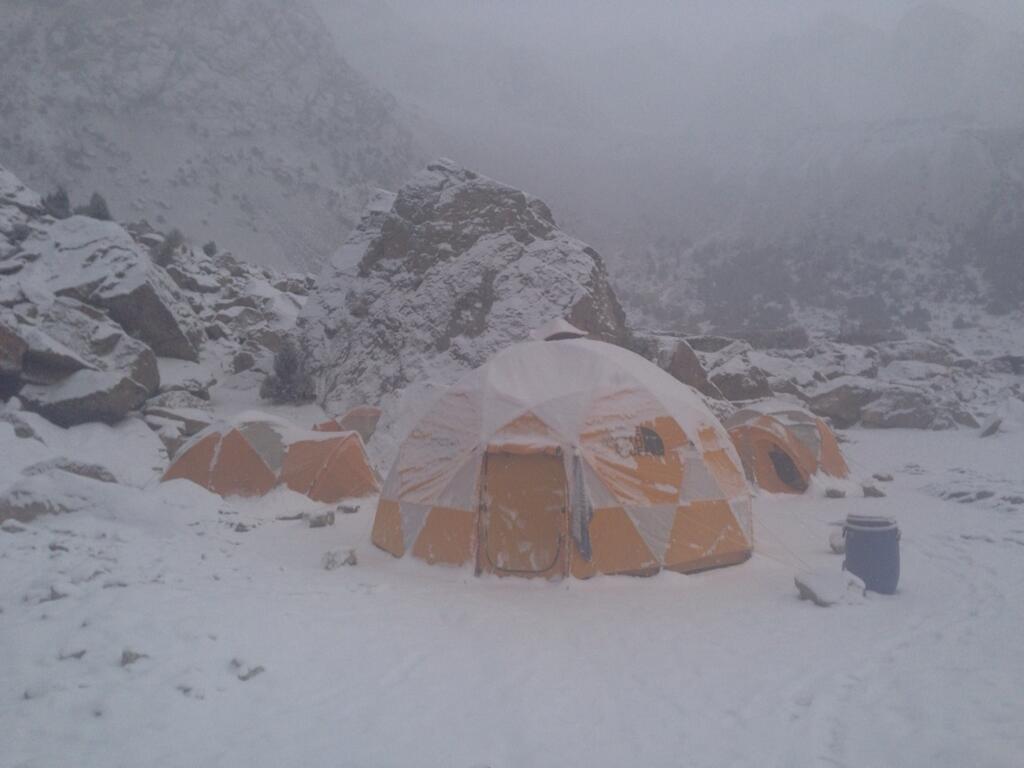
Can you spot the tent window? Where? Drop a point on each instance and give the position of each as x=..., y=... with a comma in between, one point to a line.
x=786, y=470
x=648, y=442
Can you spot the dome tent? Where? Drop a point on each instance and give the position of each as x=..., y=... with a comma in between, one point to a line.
x=254, y=453
x=567, y=457
x=783, y=446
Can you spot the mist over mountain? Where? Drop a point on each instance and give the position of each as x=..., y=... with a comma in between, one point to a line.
x=665, y=132
x=233, y=120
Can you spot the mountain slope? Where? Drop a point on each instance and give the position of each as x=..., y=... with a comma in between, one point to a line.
x=234, y=120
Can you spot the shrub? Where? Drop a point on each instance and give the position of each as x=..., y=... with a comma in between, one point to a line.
x=58, y=204
x=96, y=209
x=165, y=253
x=210, y=248
x=291, y=381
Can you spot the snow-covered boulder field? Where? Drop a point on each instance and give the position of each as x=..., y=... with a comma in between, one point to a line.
x=97, y=318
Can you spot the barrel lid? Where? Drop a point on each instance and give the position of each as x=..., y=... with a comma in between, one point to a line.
x=874, y=523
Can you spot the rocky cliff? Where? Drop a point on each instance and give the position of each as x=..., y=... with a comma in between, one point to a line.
x=440, y=276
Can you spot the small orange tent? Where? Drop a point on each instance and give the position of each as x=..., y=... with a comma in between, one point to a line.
x=782, y=447
x=568, y=457
x=255, y=453
x=362, y=419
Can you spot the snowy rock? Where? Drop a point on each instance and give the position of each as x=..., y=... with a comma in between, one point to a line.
x=901, y=410
x=750, y=384
x=191, y=413
x=86, y=396
x=826, y=587
x=334, y=559
x=843, y=399
x=98, y=262
x=687, y=368
x=919, y=350
x=64, y=464
x=320, y=519
x=77, y=365
x=439, y=277
x=182, y=376
x=12, y=353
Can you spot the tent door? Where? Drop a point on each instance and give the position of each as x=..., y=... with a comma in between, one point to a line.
x=523, y=515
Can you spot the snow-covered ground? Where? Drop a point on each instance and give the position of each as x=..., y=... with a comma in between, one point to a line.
x=163, y=626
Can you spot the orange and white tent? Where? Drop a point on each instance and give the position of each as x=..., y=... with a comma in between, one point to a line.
x=254, y=453
x=362, y=419
x=570, y=457
x=782, y=447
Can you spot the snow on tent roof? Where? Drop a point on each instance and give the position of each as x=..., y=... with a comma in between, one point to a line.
x=651, y=476
x=558, y=329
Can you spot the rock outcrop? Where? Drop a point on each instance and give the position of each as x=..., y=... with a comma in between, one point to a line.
x=86, y=310
x=439, y=277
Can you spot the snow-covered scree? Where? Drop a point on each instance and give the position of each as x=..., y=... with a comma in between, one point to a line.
x=160, y=625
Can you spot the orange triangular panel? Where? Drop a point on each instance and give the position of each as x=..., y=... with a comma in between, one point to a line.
x=706, y=534
x=617, y=546
x=387, y=528
x=238, y=469
x=346, y=473
x=194, y=464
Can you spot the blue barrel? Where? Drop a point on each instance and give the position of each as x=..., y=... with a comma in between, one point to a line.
x=873, y=551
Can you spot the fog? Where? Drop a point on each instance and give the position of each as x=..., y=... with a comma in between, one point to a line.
x=665, y=120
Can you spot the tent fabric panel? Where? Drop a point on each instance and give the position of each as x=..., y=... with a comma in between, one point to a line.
x=196, y=463
x=304, y=462
x=743, y=511
x=434, y=450
x=239, y=470
x=831, y=460
x=362, y=419
x=766, y=437
x=635, y=448
x=712, y=561
x=702, y=532
x=413, y=518
x=809, y=436
x=346, y=473
x=387, y=528
x=727, y=473
x=448, y=537
x=462, y=490
x=655, y=526
x=267, y=441
x=699, y=484
x=617, y=545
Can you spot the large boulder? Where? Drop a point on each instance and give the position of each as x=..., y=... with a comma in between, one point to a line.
x=12, y=355
x=77, y=365
x=439, y=277
x=85, y=396
x=685, y=366
x=844, y=399
x=907, y=410
x=98, y=262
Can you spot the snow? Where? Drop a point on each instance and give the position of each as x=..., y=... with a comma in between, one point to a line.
x=251, y=653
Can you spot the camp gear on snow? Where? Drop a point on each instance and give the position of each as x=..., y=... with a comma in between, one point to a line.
x=873, y=551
